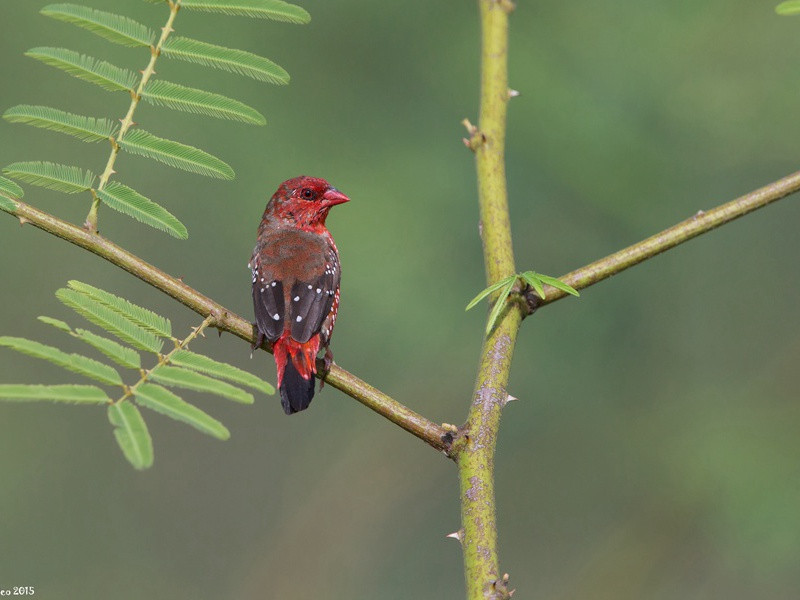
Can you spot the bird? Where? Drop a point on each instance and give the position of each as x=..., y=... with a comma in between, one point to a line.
x=296, y=276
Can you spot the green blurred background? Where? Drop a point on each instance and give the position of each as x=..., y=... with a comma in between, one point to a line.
x=655, y=449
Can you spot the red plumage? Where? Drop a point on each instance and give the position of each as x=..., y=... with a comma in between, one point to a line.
x=296, y=277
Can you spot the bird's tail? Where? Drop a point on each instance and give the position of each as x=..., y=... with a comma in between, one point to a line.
x=296, y=391
x=296, y=368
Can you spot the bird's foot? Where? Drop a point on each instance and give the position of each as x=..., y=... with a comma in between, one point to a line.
x=260, y=337
x=327, y=362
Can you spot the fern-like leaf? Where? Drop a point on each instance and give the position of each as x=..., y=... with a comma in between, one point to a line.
x=83, y=365
x=99, y=72
x=209, y=366
x=7, y=204
x=109, y=320
x=190, y=380
x=790, y=7
x=492, y=288
x=114, y=28
x=227, y=59
x=131, y=434
x=10, y=189
x=175, y=154
x=499, y=304
x=163, y=401
x=83, y=128
x=62, y=178
x=277, y=10
x=130, y=202
x=77, y=394
x=122, y=355
x=553, y=281
x=138, y=315
x=179, y=97
x=57, y=323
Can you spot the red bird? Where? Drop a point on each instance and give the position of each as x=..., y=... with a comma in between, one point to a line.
x=296, y=278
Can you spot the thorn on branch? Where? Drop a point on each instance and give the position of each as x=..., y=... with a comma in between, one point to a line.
x=512, y=93
x=507, y=5
x=22, y=221
x=509, y=398
x=476, y=138
x=457, y=535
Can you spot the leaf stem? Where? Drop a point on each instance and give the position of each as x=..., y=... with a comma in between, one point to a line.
x=164, y=359
x=127, y=121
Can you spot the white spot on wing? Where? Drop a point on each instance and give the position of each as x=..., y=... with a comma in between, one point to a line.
x=299, y=318
x=276, y=316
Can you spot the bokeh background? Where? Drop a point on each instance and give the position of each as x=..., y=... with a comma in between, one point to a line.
x=655, y=449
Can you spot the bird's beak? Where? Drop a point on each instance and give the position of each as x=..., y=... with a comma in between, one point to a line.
x=332, y=197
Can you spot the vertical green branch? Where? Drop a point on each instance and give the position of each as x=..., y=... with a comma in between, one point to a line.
x=478, y=437
x=127, y=121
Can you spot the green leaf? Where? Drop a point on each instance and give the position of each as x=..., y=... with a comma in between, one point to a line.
x=83, y=128
x=7, y=205
x=83, y=365
x=130, y=202
x=179, y=97
x=492, y=288
x=261, y=9
x=99, y=72
x=62, y=178
x=792, y=7
x=499, y=304
x=209, y=366
x=175, y=154
x=131, y=433
x=79, y=394
x=557, y=283
x=122, y=355
x=138, y=315
x=227, y=59
x=163, y=401
x=114, y=28
x=533, y=280
x=57, y=323
x=10, y=189
x=190, y=380
x=109, y=320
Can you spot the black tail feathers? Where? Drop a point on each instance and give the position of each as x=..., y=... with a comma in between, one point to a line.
x=296, y=392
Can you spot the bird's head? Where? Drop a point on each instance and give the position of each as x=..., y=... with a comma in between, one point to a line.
x=304, y=202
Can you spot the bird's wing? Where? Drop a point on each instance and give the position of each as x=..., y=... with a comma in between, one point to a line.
x=311, y=301
x=268, y=303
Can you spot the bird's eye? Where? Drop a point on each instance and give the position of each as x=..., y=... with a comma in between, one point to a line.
x=307, y=193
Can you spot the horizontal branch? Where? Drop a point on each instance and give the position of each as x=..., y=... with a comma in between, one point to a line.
x=702, y=222
x=225, y=320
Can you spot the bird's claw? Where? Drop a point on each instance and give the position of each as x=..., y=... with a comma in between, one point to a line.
x=327, y=363
x=260, y=337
